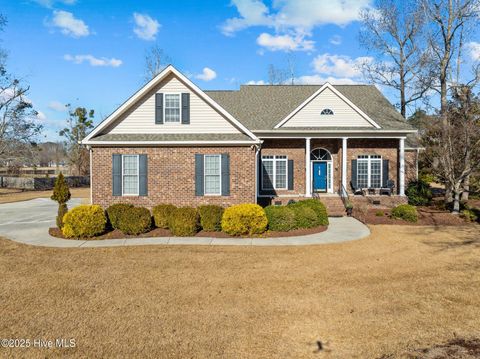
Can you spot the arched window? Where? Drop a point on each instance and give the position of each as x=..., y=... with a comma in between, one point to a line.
x=326, y=111
x=320, y=154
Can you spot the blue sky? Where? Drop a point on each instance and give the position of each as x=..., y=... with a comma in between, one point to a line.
x=91, y=53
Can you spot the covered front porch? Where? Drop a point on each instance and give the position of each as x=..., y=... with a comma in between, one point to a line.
x=305, y=167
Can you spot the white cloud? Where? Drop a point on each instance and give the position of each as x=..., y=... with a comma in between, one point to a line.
x=93, y=61
x=297, y=17
x=253, y=82
x=41, y=116
x=285, y=42
x=335, y=40
x=69, y=25
x=338, y=65
x=206, y=75
x=146, y=28
x=474, y=50
x=57, y=106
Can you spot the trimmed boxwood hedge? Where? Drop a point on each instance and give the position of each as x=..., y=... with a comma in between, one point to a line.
x=305, y=216
x=244, y=219
x=280, y=218
x=184, y=221
x=211, y=217
x=115, y=211
x=135, y=220
x=84, y=221
x=161, y=215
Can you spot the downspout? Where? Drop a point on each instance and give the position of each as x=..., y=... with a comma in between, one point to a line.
x=257, y=154
x=90, y=151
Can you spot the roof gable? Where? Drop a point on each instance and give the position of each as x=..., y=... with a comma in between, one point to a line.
x=136, y=115
x=344, y=112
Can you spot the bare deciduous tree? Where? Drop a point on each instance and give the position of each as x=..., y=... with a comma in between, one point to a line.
x=155, y=61
x=277, y=76
x=393, y=32
x=449, y=26
x=453, y=141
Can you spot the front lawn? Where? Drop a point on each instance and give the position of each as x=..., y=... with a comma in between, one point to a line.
x=403, y=287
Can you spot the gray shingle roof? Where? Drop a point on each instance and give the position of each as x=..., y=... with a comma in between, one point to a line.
x=261, y=107
x=173, y=137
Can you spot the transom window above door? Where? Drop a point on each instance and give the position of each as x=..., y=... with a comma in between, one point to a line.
x=320, y=154
x=172, y=107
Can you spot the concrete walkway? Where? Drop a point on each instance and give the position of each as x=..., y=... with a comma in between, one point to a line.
x=28, y=222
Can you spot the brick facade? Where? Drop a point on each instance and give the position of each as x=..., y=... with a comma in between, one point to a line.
x=171, y=176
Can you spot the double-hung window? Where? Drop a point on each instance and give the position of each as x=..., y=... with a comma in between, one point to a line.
x=130, y=175
x=172, y=107
x=274, y=172
x=212, y=174
x=369, y=171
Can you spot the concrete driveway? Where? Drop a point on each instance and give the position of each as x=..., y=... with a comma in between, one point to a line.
x=28, y=222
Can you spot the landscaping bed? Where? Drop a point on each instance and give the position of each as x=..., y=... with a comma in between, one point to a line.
x=427, y=216
x=160, y=232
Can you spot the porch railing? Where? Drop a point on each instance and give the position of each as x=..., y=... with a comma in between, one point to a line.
x=344, y=195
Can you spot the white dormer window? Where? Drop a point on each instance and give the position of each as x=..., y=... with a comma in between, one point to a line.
x=172, y=107
x=326, y=111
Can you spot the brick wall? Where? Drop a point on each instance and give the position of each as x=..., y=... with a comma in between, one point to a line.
x=171, y=176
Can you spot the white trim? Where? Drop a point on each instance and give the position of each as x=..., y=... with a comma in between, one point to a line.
x=127, y=143
x=175, y=123
x=204, y=176
x=90, y=150
x=274, y=184
x=344, y=162
x=336, y=92
x=149, y=86
x=308, y=169
x=329, y=189
x=138, y=177
x=401, y=174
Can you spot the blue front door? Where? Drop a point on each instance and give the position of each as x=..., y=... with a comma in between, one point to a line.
x=320, y=176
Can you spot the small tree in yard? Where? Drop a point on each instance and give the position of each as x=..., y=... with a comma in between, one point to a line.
x=61, y=194
x=452, y=142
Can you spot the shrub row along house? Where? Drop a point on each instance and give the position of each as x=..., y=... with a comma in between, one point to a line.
x=171, y=142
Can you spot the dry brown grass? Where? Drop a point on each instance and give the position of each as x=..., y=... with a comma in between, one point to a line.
x=401, y=288
x=14, y=195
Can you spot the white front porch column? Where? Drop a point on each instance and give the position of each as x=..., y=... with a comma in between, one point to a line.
x=344, y=164
x=308, y=174
x=401, y=177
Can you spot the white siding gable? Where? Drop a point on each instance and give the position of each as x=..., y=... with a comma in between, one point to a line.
x=140, y=118
x=344, y=115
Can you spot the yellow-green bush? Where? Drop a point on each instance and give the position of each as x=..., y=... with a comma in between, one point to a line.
x=135, y=220
x=318, y=207
x=305, y=216
x=406, y=212
x=244, y=219
x=280, y=218
x=211, y=217
x=184, y=221
x=162, y=213
x=84, y=221
x=115, y=213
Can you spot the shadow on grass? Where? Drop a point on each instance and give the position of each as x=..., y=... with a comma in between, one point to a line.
x=466, y=236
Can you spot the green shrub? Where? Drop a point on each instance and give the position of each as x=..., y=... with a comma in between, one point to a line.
x=379, y=213
x=211, y=217
x=419, y=193
x=61, y=194
x=318, y=207
x=84, y=221
x=115, y=212
x=405, y=212
x=305, y=216
x=161, y=214
x=280, y=218
x=135, y=220
x=244, y=219
x=469, y=215
x=184, y=221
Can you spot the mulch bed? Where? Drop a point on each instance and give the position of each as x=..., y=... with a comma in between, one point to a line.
x=159, y=232
x=427, y=216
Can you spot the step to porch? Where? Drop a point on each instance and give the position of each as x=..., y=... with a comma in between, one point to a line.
x=334, y=204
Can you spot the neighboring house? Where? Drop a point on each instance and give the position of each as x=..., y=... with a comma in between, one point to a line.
x=174, y=143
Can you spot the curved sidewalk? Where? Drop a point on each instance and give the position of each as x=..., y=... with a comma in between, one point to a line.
x=28, y=222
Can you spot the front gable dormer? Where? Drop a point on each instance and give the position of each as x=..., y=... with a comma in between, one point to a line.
x=327, y=107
